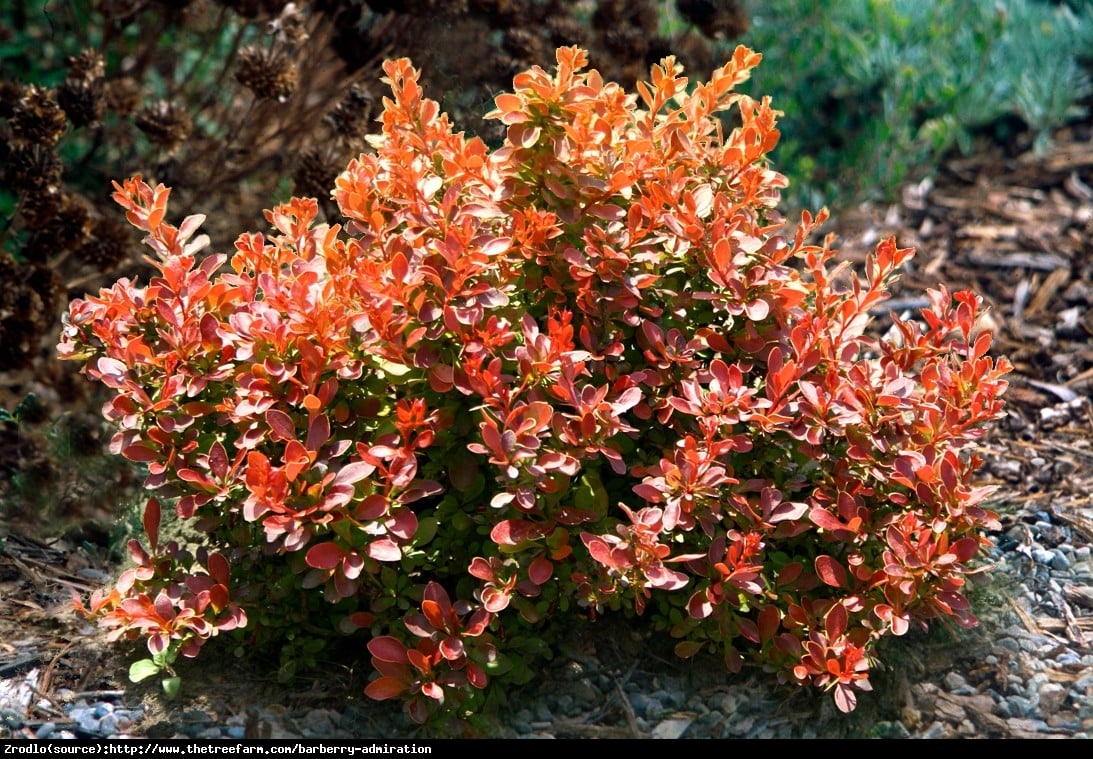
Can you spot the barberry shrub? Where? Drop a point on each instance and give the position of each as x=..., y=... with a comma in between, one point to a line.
x=582, y=373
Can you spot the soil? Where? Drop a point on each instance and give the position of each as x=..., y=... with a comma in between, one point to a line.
x=1012, y=225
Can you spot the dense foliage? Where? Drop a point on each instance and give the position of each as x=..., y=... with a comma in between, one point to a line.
x=583, y=373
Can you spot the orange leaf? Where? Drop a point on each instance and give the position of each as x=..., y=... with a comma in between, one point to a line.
x=384, y=688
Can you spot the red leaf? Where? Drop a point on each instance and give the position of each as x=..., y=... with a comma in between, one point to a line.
x=152, y=515
x=324, y=556
x=384, y=549
x=787, y=511
x=433, y=691
x=432, y=612
x=218, y=460
x=219, y=569
x=965, y=548
x=361, y=619
x=540, y=570
x=452, y=649
x=297, y=459
x=318, y=432
x=354, y=472
x=140, y=453
x=845, y=699
x=831, y=572
x=476, y=676
x=218, y=598
x=281, y=424
x=748, y=629
x=402, y=524
x=344, y=587
x=511, y=532
x=687, y=648
x=757, y=310
x=768, y=621
x=789, y=573
x=825, y=520
x=352, y=565
x=137, y=553
x=494, y=599
x=481, y=569
x=836, y=621
x=372, y=507
x=388, y=648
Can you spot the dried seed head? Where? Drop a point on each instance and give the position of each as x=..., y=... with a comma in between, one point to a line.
x=718, y=19
x=435, y=7
x=267, y=74
x=82, y=95
x=349, y=118
x=500, y=9
x=627, y=42
x=420, y=7
x=40, y=207
x=40, y=247
x=88, y=66
x=165, y=123
x=108, y=244
x=32, y=167
x=46, y=284
x=82, y=100
x=640, y=14
x=504, y=65
x=566, y=30
x=38, y=118
x=695, y=52
x=254, y=8
x=69, y=229
x=315, y=174
x=28, y=304
x=122, y=96
x=290, y=26
x=525, y=45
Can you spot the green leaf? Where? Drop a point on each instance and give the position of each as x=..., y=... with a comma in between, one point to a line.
x=171, y=686
x=426, y=530
x=165, y=658
x=590, y=494
x=143, y=669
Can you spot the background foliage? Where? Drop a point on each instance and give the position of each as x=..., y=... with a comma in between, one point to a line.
x=875, y=92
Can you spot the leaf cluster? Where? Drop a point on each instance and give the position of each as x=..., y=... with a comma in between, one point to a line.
x=588, y=372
